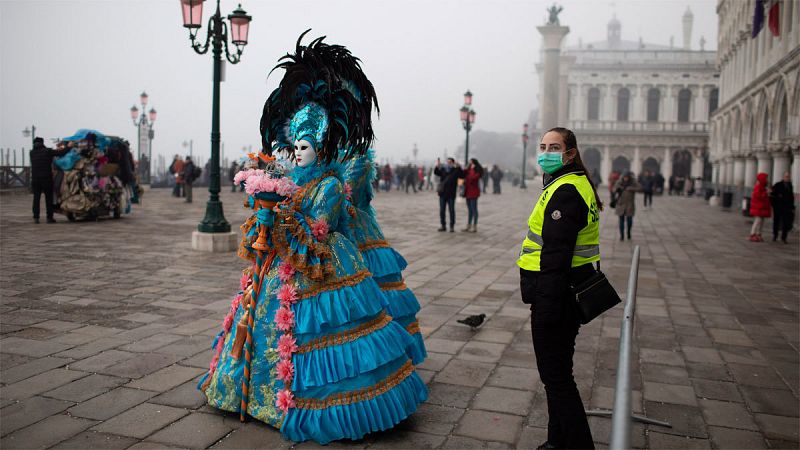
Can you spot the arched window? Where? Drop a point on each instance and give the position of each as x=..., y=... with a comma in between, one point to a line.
x=713, y=101
x=593, y=110
x=653, y=100
x=623, y=100
x=684, y=102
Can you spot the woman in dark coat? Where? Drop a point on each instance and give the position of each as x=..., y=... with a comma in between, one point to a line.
x=759, y=206
x=625, y=191
x=472, y=190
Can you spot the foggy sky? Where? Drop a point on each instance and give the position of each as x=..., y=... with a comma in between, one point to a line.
x=68, y=64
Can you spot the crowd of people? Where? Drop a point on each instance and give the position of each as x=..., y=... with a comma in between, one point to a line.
x=185, y=173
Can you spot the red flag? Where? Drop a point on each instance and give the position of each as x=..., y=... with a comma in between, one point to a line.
x=774, y=20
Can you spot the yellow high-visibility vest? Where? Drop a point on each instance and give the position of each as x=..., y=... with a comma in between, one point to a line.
x=587, y=247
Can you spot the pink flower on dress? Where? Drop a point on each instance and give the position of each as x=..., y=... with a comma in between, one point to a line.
x=245, y=280
x=285, y=271
x=284, y=318
x=319, y=229
x=285, y=370
x=287, y=294
x=228, y=322
x=285, y=400
x=287, y=345
x=217, y=351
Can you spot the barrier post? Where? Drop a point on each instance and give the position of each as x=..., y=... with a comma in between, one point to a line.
x=622, y=414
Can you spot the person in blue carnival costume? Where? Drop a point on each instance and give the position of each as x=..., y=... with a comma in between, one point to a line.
x=383, y=261
x=308, y=346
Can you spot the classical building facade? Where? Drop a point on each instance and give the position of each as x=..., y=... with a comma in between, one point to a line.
x=638, y=106
x=757, y=125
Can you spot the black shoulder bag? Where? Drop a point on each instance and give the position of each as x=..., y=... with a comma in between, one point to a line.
x=594, y=296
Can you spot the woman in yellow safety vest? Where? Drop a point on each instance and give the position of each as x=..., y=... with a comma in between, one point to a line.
x=562, y=241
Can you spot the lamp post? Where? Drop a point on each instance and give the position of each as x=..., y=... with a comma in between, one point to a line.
x=525, y=138
x=216, y=37
x=31, y=133
x=144, y=123
x=190, y=145
x=467, y=119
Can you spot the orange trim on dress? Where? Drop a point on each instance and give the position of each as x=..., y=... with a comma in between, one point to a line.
x=347, y=398
x=413, y=327
x=332, y=285
x=369, y=245
x=362, y=330
x=393, y=286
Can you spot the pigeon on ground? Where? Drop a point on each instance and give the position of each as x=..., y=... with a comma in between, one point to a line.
x=473, y=321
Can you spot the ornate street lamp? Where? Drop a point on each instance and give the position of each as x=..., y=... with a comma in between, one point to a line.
x=467, y=119
x=31, y=133
x=143, y=123
x=525, y=138
x=216, y=38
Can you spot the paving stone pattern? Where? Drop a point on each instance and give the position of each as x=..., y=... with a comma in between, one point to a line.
x=105, y=328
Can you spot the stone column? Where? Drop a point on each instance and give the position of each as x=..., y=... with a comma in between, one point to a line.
x=580, y=102
x=715, y=173
x=636, y=164
x=727, y=179
x=666, y=167
x=780, y=164
x=764, y=163
x=608, y=98
x=563, y=109
x=605, y=165
x=738, y=172
x=552, y=35
x=749, y=173
x=796, y=180
x=715, y=168
x=723, y=175
x=697, y=164
x=695, y=113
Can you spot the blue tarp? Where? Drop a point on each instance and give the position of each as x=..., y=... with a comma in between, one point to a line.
x=101, y=143
x=67, y=162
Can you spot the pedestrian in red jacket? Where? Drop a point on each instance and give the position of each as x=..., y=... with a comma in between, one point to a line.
x=759, y=206
x=472, y=190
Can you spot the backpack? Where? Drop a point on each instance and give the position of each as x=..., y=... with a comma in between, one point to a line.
x=172, y=168
x=196, y=173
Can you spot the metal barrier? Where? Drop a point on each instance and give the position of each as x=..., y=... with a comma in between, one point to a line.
x=622, y=415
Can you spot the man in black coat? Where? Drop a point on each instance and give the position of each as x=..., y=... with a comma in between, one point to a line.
x=448, y=185
x=188, y=178
x=782, y=199
x=42, y=177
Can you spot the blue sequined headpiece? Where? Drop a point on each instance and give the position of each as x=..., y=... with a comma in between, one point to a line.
x=310, y=124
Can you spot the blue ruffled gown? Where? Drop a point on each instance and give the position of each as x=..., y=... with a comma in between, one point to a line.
x=383, y=261
x=352, y=372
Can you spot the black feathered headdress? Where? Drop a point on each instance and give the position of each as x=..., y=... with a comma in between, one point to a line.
x=328, y=76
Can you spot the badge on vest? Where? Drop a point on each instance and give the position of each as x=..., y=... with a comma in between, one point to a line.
x=556, y=215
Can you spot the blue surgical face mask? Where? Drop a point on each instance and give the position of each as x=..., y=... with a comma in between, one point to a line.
x=550, y=161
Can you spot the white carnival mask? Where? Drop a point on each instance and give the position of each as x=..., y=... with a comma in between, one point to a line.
x=304, y=153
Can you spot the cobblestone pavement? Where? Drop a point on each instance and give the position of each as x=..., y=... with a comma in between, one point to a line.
x=106, y=326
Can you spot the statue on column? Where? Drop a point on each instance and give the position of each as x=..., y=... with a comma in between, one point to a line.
x=553, y=12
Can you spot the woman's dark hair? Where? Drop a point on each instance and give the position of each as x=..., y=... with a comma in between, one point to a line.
x=478, y=166
x=570, y=142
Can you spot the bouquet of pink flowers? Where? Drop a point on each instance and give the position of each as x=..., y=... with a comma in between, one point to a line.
x=257, y=181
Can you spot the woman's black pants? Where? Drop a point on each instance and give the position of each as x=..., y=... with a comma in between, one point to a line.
x=554, y=346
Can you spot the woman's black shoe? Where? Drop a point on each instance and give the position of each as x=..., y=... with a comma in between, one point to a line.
x=546, y=446
x=442, y=229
